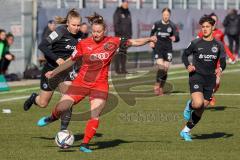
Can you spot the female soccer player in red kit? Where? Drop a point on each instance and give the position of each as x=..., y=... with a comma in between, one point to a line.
x=218, y=35
x=96, y=53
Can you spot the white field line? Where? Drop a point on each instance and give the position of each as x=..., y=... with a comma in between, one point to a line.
x=127, y=93
x=173, y=78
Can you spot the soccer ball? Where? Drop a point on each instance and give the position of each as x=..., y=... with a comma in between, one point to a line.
x=64, y=139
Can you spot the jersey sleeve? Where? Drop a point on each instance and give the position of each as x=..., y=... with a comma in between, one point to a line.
x=222, y=56
x=55, y=35
x=176, y=33
x=187, y=52
x=78, y=52
x=153, y=30
x=52, y=38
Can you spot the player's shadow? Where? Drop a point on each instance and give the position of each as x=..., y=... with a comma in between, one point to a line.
x=216, y=108
x=212, y=135
x=172, y=92
x=44, y=138
x=117, y=142
x=77, y=137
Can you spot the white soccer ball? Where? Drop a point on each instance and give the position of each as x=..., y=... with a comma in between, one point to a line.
x=64, y=139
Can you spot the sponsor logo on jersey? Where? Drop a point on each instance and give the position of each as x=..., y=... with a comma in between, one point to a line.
x=207, y=57
x=163, y=34
x=99, y=56
x=70, y=47
x=67, y=40
x=53, y=35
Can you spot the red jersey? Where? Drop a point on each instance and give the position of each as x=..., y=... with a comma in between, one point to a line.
x=96, y=58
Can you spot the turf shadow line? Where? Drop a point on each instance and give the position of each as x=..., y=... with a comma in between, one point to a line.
x=214, y=135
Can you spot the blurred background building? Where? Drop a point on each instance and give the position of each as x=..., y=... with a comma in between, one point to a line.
x=26, y=18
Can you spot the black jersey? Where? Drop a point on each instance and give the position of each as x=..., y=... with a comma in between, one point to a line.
x=206, y=55
x=59, y=44
x=163, y=32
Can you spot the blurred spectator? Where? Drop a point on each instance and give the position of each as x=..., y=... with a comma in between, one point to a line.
x=2, y=41
x=123, y=28
x=84, y=30
x=232, y=30
x=51, y=26
x=7, y=56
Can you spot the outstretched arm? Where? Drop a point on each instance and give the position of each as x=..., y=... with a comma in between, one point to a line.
x=67, y=64
x=141, y=41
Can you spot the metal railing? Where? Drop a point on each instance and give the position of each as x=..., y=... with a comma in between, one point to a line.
x=184, y=4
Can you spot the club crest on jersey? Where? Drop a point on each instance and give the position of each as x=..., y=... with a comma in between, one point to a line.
x=99, y=56
x=109, y=46
x=196, y=86
x=214, y=49
x=169, y=29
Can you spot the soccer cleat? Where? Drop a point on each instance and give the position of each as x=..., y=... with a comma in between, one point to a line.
x=186, y=136
x=187, y=111
x=85, y=148
x=213, y=101
x=43, y=121
x=29, y=102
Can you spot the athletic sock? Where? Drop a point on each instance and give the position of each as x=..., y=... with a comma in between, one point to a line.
x=90, y=130
x=160, y=75
x=65, y=119
x=186, y=129
x=190, y=105
x=55, y=115
x=34, y=98
x=164, y=79
x=194, y=120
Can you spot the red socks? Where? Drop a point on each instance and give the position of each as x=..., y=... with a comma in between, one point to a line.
x=90, y=130
x=55, y=115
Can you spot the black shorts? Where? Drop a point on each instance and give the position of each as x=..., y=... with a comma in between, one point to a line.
x=163, y=53
x=202, y=83
x=51, y=84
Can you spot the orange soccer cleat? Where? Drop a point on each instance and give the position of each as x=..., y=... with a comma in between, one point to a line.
x=213, y=101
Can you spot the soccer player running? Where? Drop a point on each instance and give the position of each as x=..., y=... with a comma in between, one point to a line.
x=218, y=35
x=96, y=53
x=57, y=47
x=206, y=52
x=166, y=32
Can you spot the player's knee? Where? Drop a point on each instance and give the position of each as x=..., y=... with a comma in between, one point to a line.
x=197, y=104
x=43, y=104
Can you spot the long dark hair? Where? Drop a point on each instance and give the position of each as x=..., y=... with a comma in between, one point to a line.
x=96, y=19
x=73, y=13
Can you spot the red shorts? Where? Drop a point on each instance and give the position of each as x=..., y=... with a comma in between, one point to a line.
x=79, y=91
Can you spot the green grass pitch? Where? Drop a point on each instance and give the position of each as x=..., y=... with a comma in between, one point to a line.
x=148, y=130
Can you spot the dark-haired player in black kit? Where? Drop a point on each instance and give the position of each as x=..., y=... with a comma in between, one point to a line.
x=206, y=52
x=166, y=32
x=57, y=48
